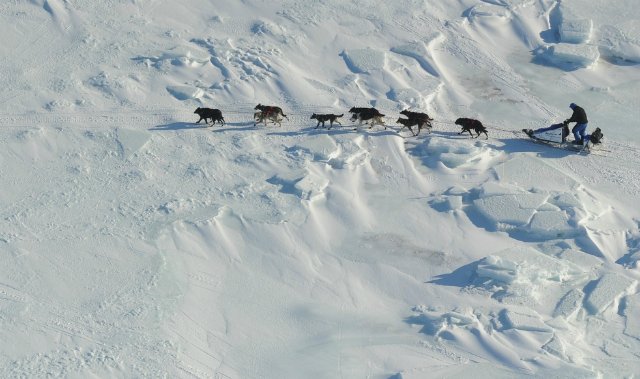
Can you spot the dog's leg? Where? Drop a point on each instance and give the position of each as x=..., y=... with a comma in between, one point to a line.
x=318, y=124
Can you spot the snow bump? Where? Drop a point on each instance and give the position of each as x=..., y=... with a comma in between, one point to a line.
x=568, y=56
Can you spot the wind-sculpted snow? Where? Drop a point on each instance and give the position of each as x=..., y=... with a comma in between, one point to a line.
x=137, y=243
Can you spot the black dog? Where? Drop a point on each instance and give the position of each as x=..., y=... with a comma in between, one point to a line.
x=322, y=118
x=416, y=115
x=469, y=124
x=369, y=115
x=408, y=123
x=357, y=111
x=214, y=114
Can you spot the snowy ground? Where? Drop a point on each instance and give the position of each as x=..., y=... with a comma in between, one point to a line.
x=136, y=243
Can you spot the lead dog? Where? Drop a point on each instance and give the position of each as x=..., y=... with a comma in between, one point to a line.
x=469, y=124
x=322, y=118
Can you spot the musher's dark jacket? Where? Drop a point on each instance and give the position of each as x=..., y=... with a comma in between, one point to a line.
x=579, y=116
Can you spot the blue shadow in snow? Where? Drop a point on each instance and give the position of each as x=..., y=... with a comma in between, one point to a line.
x=552, y=35
x=179, y=126
x=461, y=277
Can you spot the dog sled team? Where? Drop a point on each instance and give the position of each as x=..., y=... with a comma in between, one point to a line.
x=372, y=117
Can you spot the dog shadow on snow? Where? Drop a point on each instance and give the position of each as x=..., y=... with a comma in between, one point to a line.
x=311, y=131
x=236, y=126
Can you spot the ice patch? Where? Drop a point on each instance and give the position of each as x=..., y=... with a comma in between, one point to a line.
x=131, y=141
x=607, y=290
x=632, y=315
x=526, y=171
x=515, y=210
x=552, y=224
x=621, y=41
x=575, y=31
x=583, y=260
x=556, y=347
x=527, y=320
x=523, y=275
x=570, y=303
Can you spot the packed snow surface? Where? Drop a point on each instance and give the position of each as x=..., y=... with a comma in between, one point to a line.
x=137, y=243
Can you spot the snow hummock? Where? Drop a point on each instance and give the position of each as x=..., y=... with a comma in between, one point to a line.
x=575, y=31
x=573, y=56
x=608, y=289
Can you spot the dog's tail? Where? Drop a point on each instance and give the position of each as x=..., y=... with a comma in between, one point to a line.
x=340, y=115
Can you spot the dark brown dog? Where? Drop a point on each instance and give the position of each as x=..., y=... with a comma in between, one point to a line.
x=322, y=118
x=469, y=124
x=408, y=123
x=416, y=115
x=207, y=113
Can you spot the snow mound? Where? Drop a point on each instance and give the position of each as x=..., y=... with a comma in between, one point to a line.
x=621, y=41
x=185, y=92
x=525, y=276
x=527, y=265
x=453, y=154
x=365, y=61
x=421, y=52
x=609, y=289
x=435, y=320
x=567, y=56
